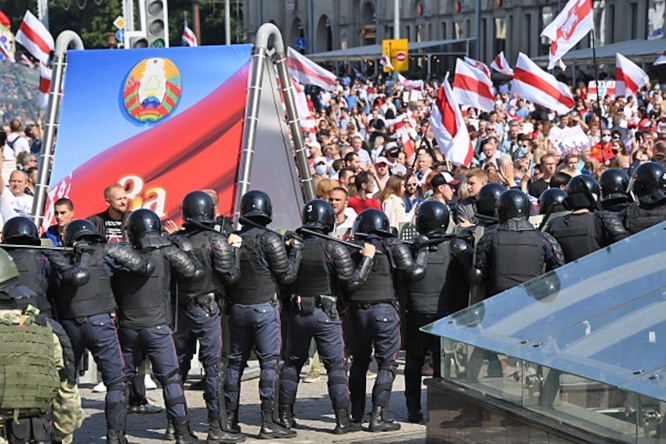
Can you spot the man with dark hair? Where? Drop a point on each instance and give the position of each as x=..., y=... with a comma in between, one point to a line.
x=365, y=185
x=353, y=162
x=548, y=165
x=560, y=180
x=63, y=213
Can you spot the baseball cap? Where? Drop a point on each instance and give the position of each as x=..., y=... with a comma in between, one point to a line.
x=381, y=159
x=313, y=144
x=443, y=178
x=319, y=159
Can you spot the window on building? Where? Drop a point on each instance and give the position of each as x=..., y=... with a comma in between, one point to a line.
x=458, y=30
x=633, y=21
x=547, y=15
x=444, y=33
x=528, y=32
x=500, y=35
x=656, y=13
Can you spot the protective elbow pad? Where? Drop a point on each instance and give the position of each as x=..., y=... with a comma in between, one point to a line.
x=223, y=254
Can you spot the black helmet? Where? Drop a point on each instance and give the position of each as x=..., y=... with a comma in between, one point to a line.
x=256, y=206
x=371, y=221
x=549, y=197
x=142, y=221
x=20, y=231
x=432, y=216
x=82, y=230
x=198, y=206
x=319, y=215
x=487, y=197
x=513, y=203
x=649, y=183
x=614, y=183
x=583, y=191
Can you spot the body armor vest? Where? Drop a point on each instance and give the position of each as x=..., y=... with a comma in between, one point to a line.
x=424, y=295
x=315, y=276
x=578, y=234
x=256, y=284
x=638, y=219
x=187, y=289
x=27, y=264
x=518, y=256
x=27, y=366
x=95, y=297
x=143, y=301
x=379, y=285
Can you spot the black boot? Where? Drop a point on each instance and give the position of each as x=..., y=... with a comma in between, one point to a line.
x=379, y=422
x=184, y=434
x=115, y=437
x=216, y=435
x=232, y=420
x=343, y=424
x=286, y=416
x=271, y=430
x=170, y=432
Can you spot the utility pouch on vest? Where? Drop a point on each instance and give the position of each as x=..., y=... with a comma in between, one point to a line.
x=329, y=305
x=306, y=304
x=18, y=431
x=208, y=303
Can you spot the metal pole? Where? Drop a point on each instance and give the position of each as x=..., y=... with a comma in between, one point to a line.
x=311, y=26
x=396, y=19
x=227, y=22
x=478, y=30
x=378, y=6
x=46, y=154
x=596, y=83
x=195, y=21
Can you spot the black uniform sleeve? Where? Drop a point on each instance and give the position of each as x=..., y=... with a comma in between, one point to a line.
x=68, y=272
x=463, y=253
x=68, y=372
x=183, y=263
x=482, y=263
x=350, y=275
x=414, y=270
x=281, y=263
x=554, y=253
x=225, y=259
x=614, y=231
x=130, y=259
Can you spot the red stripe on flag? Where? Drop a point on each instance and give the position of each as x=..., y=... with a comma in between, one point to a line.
x=296, y=64
x=629, y=84
x=44, y=85
x=35, y=37
x=537, y=82
x=448, y=114
x=473, y=85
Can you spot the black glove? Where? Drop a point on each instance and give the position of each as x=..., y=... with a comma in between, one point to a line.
x=420, y=241
x=83, y=247
x=296, y=240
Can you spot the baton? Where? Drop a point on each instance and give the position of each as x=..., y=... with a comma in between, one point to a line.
x=327, y=237
x=36, y=247
x=245, y=221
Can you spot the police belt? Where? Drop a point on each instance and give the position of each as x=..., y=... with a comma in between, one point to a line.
x=206, y=301
x=361, y=306
x=308, y=304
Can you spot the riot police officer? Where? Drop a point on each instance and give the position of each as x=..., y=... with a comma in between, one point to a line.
x=36, y=267
x=374, y=317
x=441, y=292
x=484, y=205
x=614, y=183
x=266, y=261
x=585, y=229
x=515, y=252
x=87, y=313
x=199, y=317
x=648, y=184
x=326, y=268
x=144, y=313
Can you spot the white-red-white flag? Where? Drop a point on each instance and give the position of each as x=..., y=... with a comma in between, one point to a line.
x=5, y=53
x=307, y=72
x=449, y=127
x=661, y=59
x=386, y=61
x=479, y=65
x=472, y=87
x=189, y=38
x=26, y=61
x=502, y=65
x=629, y=78
x=44, y=85
x=305, y=117
x=568, y=28
x=416, y=85
x=533, y=83
x=34, y=37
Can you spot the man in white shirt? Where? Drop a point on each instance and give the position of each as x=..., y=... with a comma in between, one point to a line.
x=13, y=200
x=15, y=140
x=344, y=216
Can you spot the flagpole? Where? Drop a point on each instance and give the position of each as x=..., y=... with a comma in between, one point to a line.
x=596, y=83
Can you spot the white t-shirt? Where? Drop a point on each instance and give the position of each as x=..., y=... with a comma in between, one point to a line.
x=12, y=206
x=20, y=143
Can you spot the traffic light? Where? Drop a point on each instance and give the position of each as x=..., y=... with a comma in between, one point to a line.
x=155, y=25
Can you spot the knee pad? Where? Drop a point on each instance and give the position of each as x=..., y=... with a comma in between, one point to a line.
x=390, y=366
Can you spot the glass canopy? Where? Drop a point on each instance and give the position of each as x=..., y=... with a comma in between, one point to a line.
x=602, y=318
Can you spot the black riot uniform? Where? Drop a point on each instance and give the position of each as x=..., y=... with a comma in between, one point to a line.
x=614, y=184
x=648, y=184
x=515, y=252
x=144, y=313
x=441, y=292
x=585, y=230
x=484, y=205
x=87, y=312
x=374, y=317
x=37, y=269
x=326, y=269
x=266, y=263
x=199, y=317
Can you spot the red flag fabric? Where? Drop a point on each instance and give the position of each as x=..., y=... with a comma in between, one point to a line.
x=629, y=78
x=473, y=87
x=307, y=72
x=34, y=37
x=4, y=21
x=568, y=28
x=479, y=65
x=5, y=53
x=189, y=38
x=26, y=61
x=502, y=65
x=386, y=61
x=449, y=127
x=44, y=85
x=534, y=84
